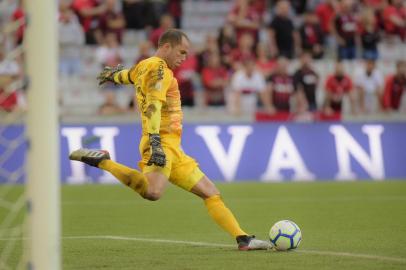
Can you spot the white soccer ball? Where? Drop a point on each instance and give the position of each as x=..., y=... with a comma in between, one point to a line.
x=285, y=235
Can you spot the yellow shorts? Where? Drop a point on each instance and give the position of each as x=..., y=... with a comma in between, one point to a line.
x=180, y=169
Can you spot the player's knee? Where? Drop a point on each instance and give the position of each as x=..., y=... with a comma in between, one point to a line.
x=211, y=190
x=153, y=195
x=205, y=189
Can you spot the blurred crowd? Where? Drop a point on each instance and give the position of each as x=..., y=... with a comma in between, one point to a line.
x=245, y=66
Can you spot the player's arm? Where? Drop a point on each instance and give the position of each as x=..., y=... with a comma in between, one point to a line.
x=264, y=95
x=153, y=113
x=117, y=75
x=269, y=105
x=156, y=95
x=361, y=97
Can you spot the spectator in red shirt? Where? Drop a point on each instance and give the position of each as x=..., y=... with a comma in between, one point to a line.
x=374, y=4
x=185, y=74
x=112, y=20
x=345, y=28
x=395, y=85
x=19, y=15
x=245, y=50
x=337, y=86
x=280, y=87
x=175, y=9
x=311, y=36
x=264, y=62
x=88, y=12
x=215, y=80
x=245, y=18
x=9, y=72
x=210, y=47
x=326, y=13
x=394, y=18
x=165, y=22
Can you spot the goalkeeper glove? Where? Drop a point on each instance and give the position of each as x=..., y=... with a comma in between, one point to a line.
x=158, y=154
x=107, y=75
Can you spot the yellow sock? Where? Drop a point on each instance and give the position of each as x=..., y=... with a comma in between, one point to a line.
x=128, y=176
x=223, y=216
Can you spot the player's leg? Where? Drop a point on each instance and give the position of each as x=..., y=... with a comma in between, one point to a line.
x=216, y=208
x=150, y=185
x=187, y=175
x=223, y=216
x=157, y=182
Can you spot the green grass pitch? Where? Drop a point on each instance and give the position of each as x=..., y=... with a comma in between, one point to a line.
x=351, y=225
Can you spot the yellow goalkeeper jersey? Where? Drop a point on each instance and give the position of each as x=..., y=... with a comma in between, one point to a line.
x=153, y=80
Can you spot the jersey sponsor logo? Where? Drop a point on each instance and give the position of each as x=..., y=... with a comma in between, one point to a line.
x=160, y=73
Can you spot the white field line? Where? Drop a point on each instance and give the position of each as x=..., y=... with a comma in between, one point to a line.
x=341, y=199
x=206, y=244
x=150, y=240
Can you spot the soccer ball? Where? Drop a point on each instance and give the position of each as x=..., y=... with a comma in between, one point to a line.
x=285, y=235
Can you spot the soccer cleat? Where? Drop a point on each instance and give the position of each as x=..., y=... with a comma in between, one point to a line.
x=248, y=242
x=91, y=157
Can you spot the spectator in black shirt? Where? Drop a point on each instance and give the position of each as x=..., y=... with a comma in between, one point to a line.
x=226, y=41
x=369, y=35
x=306, y=81
x=139, y=14
x=299, y=6
x=283, y=37
x=311, y=35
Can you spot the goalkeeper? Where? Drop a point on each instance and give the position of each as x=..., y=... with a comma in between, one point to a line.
x=162, y=158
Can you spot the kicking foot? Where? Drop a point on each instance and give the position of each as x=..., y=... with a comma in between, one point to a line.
x=248, y=242
x=91, y=157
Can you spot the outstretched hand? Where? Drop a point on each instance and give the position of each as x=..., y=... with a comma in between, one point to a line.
x=107, y=74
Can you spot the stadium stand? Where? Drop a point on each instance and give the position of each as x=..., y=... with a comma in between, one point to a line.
x=80, y=95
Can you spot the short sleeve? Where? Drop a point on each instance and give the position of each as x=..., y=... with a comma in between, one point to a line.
x=260, y=82
x=158, y=81
x=359, y=79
